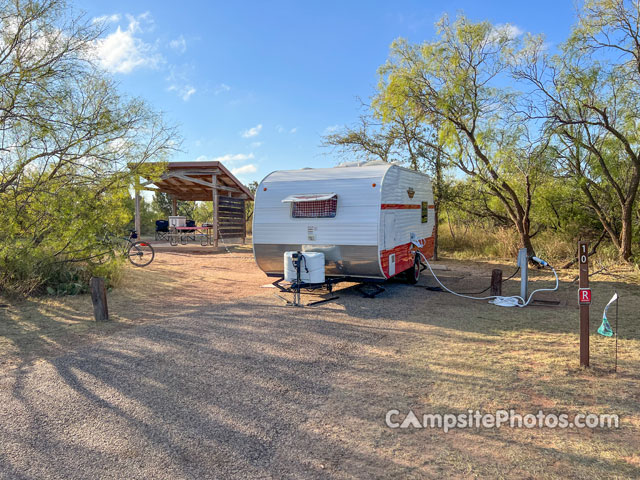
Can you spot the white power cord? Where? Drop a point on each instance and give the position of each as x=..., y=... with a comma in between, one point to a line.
x=513, y=301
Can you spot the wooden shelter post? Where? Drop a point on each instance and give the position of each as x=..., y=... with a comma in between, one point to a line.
x=137, y=206
x=174, y=205
x=216, y=209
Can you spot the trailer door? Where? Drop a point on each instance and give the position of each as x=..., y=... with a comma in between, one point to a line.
x=389, y=231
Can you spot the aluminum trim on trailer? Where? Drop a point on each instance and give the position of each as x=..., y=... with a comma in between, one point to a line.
x=340, y=260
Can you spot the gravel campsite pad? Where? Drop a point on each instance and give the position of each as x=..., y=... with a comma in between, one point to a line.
x=208, y=375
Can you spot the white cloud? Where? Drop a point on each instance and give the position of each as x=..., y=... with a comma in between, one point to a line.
x=281, y=129
x=256, y=144
x=222, y=88
x=185, y=92
x=331, y=129
x=228, y=158
x=123, y=51
x=250, y=168
x=252, y=132
x=113, y=18
x=506, y=31
x=179, y=82
x=178, y=44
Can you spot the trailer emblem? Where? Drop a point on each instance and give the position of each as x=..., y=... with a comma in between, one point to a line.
x=411, y=192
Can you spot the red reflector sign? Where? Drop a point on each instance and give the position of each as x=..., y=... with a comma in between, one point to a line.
x=584, y=296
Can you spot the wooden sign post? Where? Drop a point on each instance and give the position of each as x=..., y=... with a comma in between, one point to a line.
x=584, y=299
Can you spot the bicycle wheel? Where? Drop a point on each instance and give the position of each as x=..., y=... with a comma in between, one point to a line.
x=140, y=254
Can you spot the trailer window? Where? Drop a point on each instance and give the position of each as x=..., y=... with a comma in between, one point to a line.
x=315, y=209
x=425, y=212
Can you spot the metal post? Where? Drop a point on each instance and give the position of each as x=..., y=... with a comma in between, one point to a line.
x=296, y=295
x=583, y=257
x=523, y=263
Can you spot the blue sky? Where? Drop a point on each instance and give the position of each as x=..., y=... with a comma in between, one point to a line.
x=257, y=84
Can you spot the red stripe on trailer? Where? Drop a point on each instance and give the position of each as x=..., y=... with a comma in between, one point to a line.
x=399, y=206
x=404, y=256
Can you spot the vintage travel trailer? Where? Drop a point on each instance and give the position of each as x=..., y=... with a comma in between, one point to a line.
x=361, y=217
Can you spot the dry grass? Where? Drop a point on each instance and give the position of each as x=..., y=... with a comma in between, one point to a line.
x=471, y=241
x=448, y=356
x=39, y=327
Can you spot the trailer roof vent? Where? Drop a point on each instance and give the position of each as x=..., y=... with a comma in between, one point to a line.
x=315, y=205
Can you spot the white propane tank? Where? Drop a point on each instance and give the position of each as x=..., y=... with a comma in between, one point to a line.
x=311, y=269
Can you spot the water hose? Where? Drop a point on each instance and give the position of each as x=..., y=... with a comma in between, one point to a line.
x=512, y=301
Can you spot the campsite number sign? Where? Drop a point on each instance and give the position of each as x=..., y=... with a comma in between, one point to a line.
x=584, y=299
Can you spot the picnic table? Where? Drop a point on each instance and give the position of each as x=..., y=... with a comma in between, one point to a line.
x=184, y=234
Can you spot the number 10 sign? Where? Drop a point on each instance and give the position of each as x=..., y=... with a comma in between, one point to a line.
x=584, y=297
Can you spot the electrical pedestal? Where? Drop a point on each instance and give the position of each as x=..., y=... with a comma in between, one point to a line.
x=523, y=263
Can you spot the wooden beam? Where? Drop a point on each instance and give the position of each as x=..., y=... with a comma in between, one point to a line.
x=204, y=173
x=198, y=181
x=174, y=205
x=194, y=198
x=181, y=176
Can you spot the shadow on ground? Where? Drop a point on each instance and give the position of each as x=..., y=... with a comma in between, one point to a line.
x=253, y=389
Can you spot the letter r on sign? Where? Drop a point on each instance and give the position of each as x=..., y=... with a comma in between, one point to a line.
x=584, y=296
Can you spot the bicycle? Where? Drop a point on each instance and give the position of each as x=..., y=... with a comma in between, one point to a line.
x=139, y=253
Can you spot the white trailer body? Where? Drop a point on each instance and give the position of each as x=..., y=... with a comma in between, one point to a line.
x=361, y=217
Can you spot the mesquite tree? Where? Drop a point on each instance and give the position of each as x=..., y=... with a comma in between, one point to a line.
x=457, y=84
x=590, y=98
x=68, y=144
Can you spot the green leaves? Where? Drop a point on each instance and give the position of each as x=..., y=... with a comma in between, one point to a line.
x=70, y=147
x=457, y=84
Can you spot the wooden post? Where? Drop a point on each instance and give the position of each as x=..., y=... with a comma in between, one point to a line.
x=174, y=206
x=583, y=259
x=214, y=181
x=99, y=299
x=137, y=202
x=244, y=220
x=496, y=282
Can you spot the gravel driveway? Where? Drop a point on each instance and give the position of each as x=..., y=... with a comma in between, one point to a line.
x=250, y=389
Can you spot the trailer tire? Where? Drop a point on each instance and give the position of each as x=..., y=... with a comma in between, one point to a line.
x=413, y=273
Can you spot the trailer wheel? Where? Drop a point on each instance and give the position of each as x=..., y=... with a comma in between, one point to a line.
x=413, y=273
